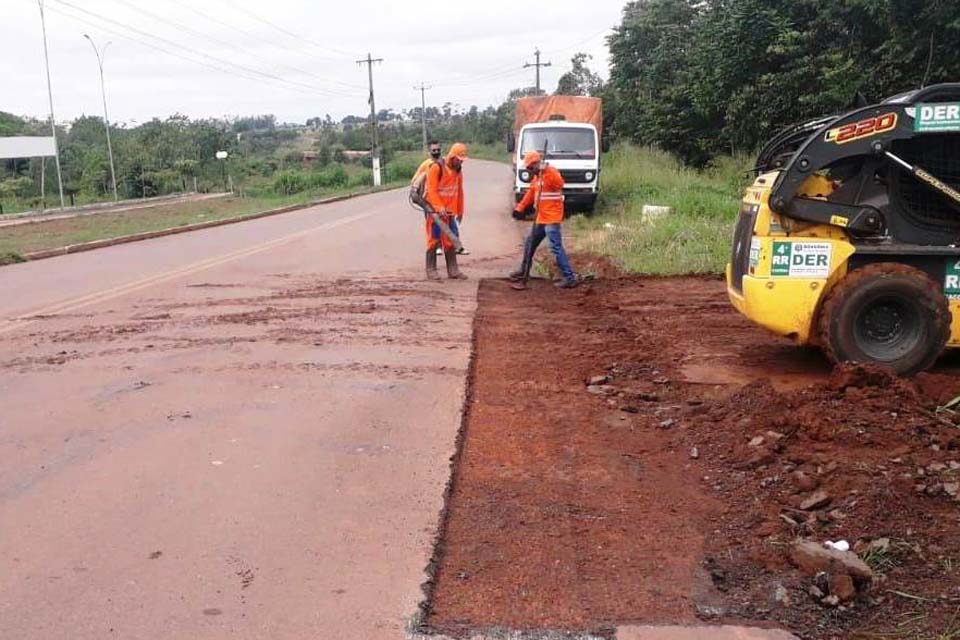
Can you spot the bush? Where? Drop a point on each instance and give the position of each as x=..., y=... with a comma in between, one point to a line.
x=290, y=182
x=334, y=176
x=362, y=179
x=400, y=170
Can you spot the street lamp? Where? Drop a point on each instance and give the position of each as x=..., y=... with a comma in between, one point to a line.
x=106, y=118
x=53, y=119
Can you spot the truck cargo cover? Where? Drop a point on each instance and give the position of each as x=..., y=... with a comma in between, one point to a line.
x=573, y=108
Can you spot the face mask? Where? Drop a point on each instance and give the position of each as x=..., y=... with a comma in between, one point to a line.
x=435, y=154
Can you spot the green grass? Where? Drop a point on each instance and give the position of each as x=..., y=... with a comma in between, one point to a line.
x=20, y=240
x=10, y=257
x=694, y=238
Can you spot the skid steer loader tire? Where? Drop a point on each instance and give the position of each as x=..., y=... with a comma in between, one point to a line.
x=888, y=314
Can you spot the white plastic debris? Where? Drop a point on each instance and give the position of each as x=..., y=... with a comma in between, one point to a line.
x=651, y=212
x=839, y=545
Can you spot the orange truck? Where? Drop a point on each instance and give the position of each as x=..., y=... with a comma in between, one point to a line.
x=571, y=128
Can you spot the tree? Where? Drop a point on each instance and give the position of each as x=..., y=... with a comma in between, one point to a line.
x=324, y=155
x=580, y=80
x=10, y=125
x=186, y=168
x=702, y=77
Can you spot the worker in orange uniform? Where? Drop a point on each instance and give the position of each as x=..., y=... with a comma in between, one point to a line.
x=546, y=190
x=436, y=157
x=444, y=193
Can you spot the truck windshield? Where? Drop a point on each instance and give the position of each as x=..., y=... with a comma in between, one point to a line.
x=561, y=143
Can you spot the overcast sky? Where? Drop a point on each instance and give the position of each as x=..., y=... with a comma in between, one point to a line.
x=291, y=58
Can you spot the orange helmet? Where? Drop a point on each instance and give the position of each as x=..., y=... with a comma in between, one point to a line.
x=531, y=158
x=457, y=150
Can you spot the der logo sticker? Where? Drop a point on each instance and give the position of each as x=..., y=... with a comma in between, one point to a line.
x=801, y=259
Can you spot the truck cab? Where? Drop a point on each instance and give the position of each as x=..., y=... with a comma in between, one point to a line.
x=571, y=129
x=573, y=148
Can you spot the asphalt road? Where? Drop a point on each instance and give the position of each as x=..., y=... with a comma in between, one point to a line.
x=242, y=432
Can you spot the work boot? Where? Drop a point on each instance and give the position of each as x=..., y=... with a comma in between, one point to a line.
x=516, y=276
x=567, y=284
x=453, y=271
x=432, y=273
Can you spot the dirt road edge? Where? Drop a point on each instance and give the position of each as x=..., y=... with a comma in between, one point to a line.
x=419, y=626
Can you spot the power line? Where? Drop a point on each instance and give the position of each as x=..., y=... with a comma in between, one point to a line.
x=579, y=42
x=220, y=42
x=479, y=75
x=184, y=28
x=250, y=70
x=252, y=36
x=176, y=54
x=285, y=31
x=519, y=71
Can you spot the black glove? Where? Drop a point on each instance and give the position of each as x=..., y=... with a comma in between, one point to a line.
x=517, y=215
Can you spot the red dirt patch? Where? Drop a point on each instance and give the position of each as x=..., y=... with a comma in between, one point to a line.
x=642, y=498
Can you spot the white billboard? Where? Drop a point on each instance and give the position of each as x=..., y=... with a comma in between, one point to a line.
x=27, y=147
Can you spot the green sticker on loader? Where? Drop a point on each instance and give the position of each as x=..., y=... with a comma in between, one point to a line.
x=951, y=280
x=943, y=116
x=781, y=259
x=801, y=259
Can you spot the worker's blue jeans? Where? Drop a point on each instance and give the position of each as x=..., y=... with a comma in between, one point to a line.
x=553, y=232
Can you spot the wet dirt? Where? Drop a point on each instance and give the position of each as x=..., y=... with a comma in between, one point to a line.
x=383, y=311
x=669, y=490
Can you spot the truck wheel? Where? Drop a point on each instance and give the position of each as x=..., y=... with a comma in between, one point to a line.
x=888, y=314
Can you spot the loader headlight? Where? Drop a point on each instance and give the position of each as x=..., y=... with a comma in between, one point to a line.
x=588, y=176
x=525, y=176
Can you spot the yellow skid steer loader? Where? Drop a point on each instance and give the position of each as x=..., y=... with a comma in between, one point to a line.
x=848, y=237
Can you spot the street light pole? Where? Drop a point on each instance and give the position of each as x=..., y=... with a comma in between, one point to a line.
x=53, y=119
x=106, y=116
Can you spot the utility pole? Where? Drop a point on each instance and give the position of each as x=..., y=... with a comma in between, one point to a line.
x=423, y=111
x=53, y=119
x=375, y=156
x=106, y=116
x=537, y=64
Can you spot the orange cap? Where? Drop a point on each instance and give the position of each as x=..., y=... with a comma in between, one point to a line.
x=531, y=157
x=457, y=150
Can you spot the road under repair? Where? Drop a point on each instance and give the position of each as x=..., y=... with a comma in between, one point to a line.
x=638, y=453
x=245, y=432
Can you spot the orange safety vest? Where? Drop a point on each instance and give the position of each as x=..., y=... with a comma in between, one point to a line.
x=445, y=189
x=422, y=169
x=550, y=210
